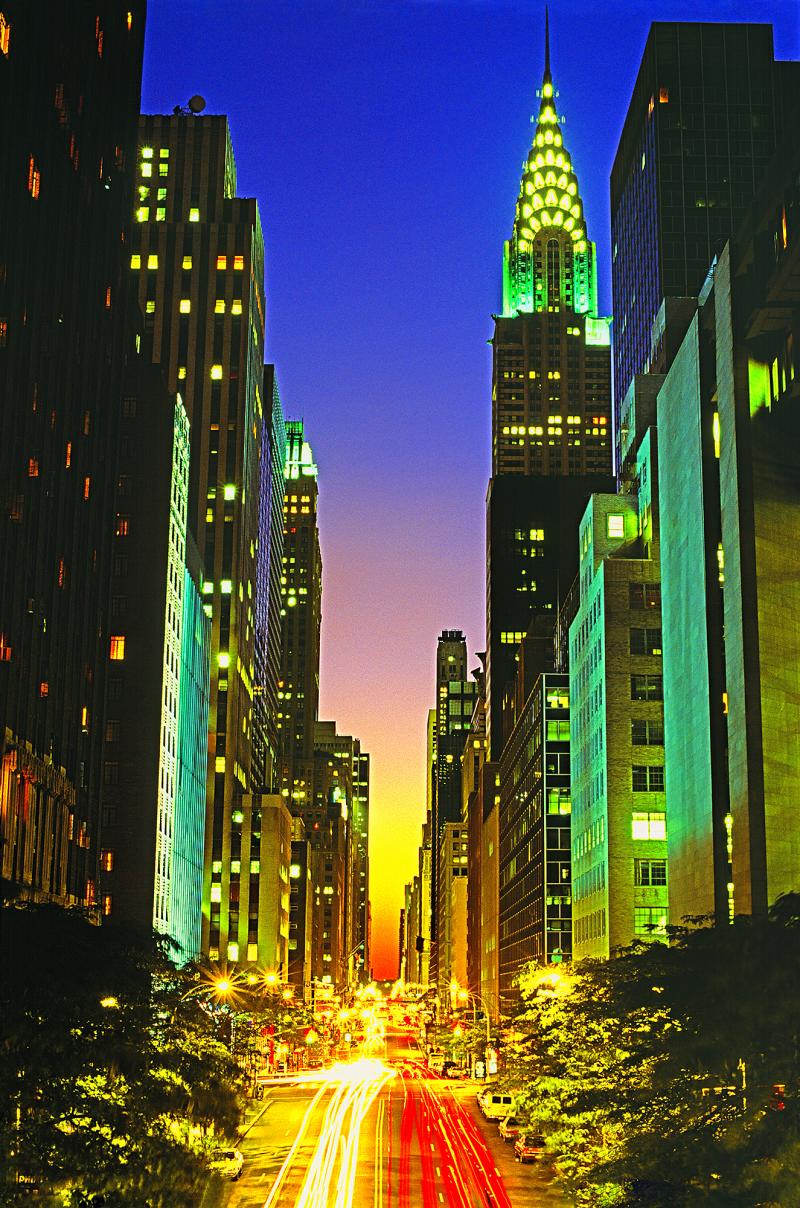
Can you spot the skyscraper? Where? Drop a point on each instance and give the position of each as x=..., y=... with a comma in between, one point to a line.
x=197, y=256
x=301, y=614
x=708, y=104
x=70, y=81
x=455, y=700
x=551, y=404
x=268, y=601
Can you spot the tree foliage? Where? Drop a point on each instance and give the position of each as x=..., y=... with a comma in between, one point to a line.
x=653, y=1075
x=111, y=1079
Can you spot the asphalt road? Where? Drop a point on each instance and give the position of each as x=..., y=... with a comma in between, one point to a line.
x=380, y=1132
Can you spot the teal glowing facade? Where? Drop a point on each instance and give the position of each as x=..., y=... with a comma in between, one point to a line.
x=190, y=805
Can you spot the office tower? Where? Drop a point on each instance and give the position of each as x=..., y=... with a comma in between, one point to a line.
x=619, y=850
x=197, y=265
x=708, y=104
x=301, y=611
x=455, y=701
x=401, y=944
x=729, y=491
x=424, y=868
x=268, y=601
x=301, y=918
x=451, y=886
x=154, y=757
x=474, y=760
x=329, y=829
x=551, y=404
x=351, y=791
x=361, y=960
x=70, y=84
x=534, y=823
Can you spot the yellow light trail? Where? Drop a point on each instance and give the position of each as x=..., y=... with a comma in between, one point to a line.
x=330, y=1178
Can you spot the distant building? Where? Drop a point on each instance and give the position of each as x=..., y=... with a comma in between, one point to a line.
x=301, y=611
x=301, y=917
x=451, y=882
x=268, y=597
x=455, y=701
x=535, y=863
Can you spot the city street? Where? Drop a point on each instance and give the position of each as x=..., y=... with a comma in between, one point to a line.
x=381, y=1132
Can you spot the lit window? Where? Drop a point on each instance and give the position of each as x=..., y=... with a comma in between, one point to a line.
x=161, y=214
x=208, y=588
x=649, y=826
x=147, y=152
x=255, y=866
x=107, y=904
x=33, y=467
x=152, y=261
x=34, y=178
x=163, y=170
x=142, y=214
x=216, y=373
x=225, y=587
x=107, y=860
x=44, y=688
x=615, y=525
x=5, y=33
x=136, y=261
x=222, y=261
x=185, y=306
x=219, y=306
x=123, y=525
x=230, y=490
x=233, y=952
x=216, y=893
x=117, y=647
x=150, y=307
x=181, y=372
x=236, y=306
x=224, y=659
x=663, y=95
x=87, y=487
x=252, y=952
x=238, y=262
x=194, y=214
x=219, y=763
x=147, y=169
x=236, y=866
x=187, y=262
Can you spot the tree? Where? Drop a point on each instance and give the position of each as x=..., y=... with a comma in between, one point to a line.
x=652, y=1075
x=109, y=1083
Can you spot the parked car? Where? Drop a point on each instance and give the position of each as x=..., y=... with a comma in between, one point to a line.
x=528, y=1147
x=495, y=1106
x=510, y=1128
x=228, y=1162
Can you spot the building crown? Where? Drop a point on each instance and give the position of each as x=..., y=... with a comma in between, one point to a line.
x=549, y=262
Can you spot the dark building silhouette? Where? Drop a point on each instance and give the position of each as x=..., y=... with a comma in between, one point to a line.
x=707, y=108
x=70, y=79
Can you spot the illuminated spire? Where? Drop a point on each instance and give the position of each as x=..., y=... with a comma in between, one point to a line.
x=549, y=261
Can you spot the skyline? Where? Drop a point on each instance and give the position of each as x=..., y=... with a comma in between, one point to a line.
x=404, y=345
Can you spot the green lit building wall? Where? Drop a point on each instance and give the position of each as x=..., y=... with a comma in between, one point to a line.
x=190, y=805
x=619, y=825
x=733, y=497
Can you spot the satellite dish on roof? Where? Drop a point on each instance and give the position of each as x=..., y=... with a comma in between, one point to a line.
x=197, y=103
